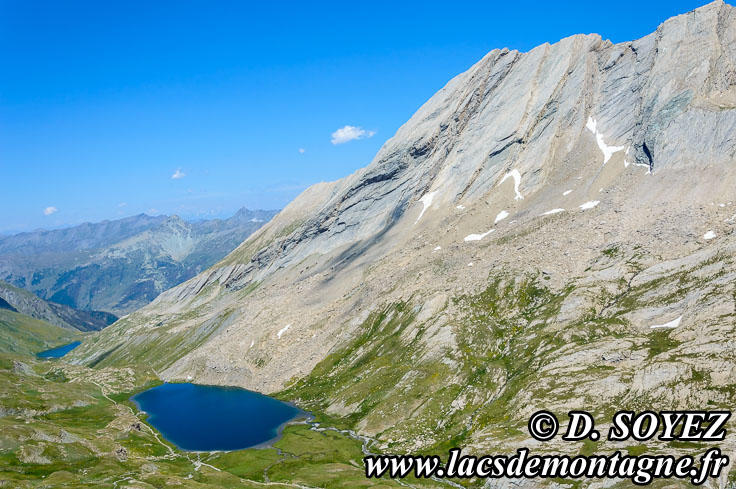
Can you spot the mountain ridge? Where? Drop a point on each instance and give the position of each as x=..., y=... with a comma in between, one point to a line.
x=26, y=303
x=327, y=193
x=384, y=168
x=87, y=235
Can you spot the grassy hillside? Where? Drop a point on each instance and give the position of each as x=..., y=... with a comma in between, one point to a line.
x=70, y=426
x=24, y=335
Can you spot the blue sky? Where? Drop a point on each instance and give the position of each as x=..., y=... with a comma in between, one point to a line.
x=102, y=103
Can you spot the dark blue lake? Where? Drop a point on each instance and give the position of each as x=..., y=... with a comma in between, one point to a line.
x=206, y=417
x=59, y=351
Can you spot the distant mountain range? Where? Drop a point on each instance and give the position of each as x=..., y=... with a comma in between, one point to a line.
x=119, y=266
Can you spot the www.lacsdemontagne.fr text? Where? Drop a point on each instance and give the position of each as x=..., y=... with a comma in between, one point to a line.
x=640, y=469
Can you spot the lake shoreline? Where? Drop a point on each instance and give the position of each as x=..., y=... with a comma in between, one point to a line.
x=58, y=352
x=173, y=431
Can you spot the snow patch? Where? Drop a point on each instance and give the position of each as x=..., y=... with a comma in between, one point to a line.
x=478, y=237
x=553, y=211
x=590, y=205
x=592, y=125
x=426, y=200
x=566, y=192
x=438, y=248
x=253, y=342
x=282, y=331
x=460, y=207
x=470, y=264
x=517, y=180
x=501, y=216
x=709, y=235
x=607, y=150
x=672, y=324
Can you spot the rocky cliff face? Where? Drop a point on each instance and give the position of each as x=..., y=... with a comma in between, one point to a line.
x=662, y=102
x=552, y=229
x=121, y=265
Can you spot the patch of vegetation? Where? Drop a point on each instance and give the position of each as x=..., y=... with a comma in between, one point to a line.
x=660, y=341
x=612, y=251
x=636, y=450
x=388, y=383
x=25, y=335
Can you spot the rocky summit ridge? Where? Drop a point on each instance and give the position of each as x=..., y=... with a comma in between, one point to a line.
x=552, y=229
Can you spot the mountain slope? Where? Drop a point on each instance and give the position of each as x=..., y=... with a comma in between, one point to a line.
x=551, y=230
x=57, y=314
x=119, y=266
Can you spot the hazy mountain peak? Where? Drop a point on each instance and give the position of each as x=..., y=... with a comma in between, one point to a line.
x=176, y=224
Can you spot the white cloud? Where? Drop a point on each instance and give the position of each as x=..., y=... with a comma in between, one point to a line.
x=302, y=150
x=178, y=174
x=348, y=133
x=50, y=210
x=123, y=204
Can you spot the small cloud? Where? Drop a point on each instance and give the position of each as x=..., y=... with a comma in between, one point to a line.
x=302, y=150
x=348, y=133
x=153, y=211
x=178, y=174
x=123, y=204
x=50, y=210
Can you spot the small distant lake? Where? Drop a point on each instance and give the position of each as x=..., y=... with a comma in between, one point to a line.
x=59, y=351
x=208, y=418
